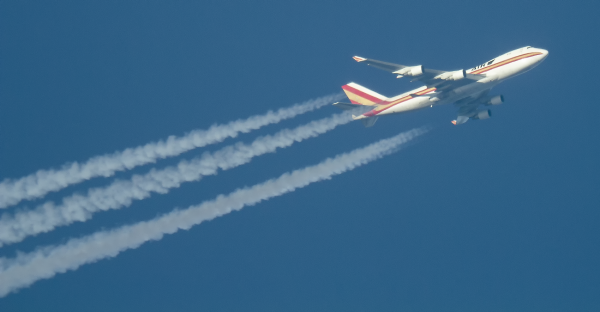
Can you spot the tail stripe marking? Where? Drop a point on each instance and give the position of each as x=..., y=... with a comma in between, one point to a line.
x=361, y=94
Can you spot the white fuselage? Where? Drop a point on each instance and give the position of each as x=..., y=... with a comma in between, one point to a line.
x=483, y=77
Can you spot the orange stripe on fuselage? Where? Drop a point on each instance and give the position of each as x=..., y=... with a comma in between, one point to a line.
x=381, y=108
x=502, y=63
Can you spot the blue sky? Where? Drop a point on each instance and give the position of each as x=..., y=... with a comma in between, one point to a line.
x=493, y=215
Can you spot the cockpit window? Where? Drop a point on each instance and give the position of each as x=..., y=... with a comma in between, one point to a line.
x=528, y=47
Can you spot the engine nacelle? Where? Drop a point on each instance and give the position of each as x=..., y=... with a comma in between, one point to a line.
x=416, y=70
x=410, y=71
x=459, y=74
x=484, y=114
x=455, y=75
x=497, y=100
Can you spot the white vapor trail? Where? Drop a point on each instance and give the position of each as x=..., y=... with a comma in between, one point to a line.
x=44, y=181
x=44, y=263
x=75, y=208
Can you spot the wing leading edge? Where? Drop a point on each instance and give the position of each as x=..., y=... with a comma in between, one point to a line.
x=430, y=77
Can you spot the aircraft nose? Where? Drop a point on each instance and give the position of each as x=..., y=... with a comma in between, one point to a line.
x=544, y=53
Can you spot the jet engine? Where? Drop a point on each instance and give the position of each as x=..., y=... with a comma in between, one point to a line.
x=459, y=74
x=410, y=71
x=497, y=100
x=454, y=75
x=483, y=114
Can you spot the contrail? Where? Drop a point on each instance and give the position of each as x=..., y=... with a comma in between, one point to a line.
x=44, y=263
x=44, y=181
x=119, y=194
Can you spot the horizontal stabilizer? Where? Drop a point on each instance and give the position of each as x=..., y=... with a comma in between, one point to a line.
x=369, y=122
x=347, y=106
x=422, y=95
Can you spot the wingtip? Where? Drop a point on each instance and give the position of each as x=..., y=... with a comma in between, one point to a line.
x=359, y=59
x=454, y=122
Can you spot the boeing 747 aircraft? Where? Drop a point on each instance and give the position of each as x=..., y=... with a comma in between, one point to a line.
x=467, y=89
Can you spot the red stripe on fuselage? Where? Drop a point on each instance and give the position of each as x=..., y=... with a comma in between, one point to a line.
x=388, y=105
x=396, y=102
x=505, y=62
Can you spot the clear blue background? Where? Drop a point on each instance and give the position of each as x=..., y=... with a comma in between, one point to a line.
x=494, y=215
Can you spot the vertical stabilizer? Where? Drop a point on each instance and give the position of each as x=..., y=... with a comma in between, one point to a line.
x=361, y=95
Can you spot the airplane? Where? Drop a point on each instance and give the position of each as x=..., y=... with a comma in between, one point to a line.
x=467, y=89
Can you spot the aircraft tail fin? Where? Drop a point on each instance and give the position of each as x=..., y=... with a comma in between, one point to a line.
x=361, y=95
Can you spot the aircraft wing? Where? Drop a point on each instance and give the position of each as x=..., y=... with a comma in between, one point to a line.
x=426, y=75
x=467, y=107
